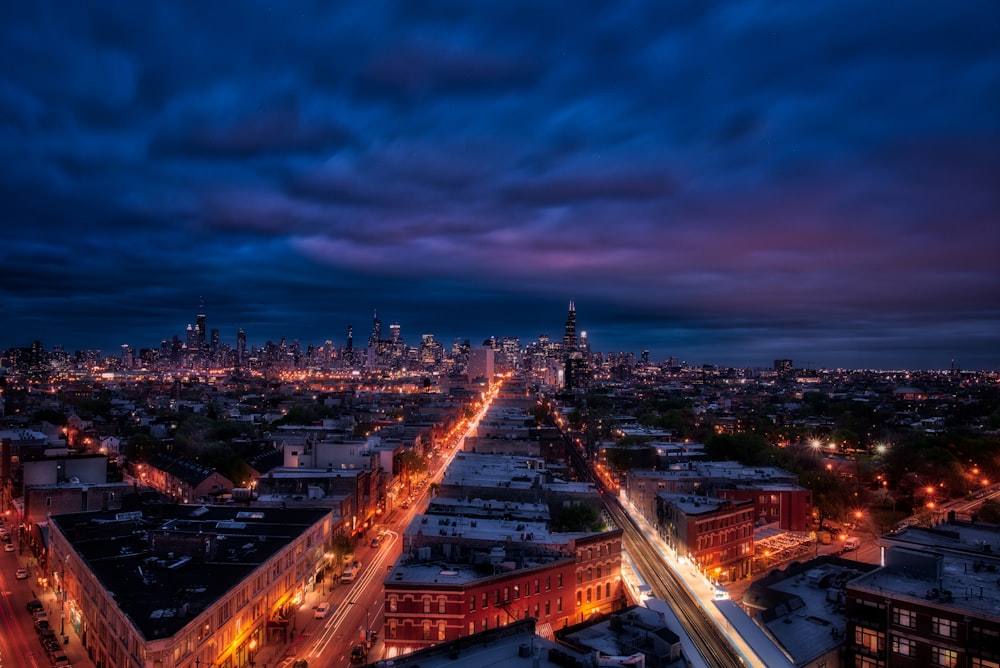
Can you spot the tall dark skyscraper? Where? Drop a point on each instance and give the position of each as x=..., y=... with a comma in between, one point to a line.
x=376, y=331
x=570, y=339
x=241, y=348
x=350, y=338
x=200, y=332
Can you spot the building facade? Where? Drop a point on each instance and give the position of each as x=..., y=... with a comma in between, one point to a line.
x=183, y=586
x=426, y=604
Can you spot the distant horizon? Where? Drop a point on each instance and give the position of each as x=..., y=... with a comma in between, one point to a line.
x=363, y=328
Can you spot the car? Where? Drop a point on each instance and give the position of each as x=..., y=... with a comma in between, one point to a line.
x=375, y=542
x=8, y=547
x=300, y=663
x=852, y=543
x=41, y=625
x=33, y=605
x=358, y=653
x=321, y=611
x=21, y=574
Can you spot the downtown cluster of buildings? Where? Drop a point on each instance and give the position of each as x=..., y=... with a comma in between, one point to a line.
x=158, y=559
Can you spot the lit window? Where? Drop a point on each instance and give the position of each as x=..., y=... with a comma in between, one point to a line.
x=904, y=617
x=904, y=646
x=944, y=627
x=870, y=639
x=941, y=656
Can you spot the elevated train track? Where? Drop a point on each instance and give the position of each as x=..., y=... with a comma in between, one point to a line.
x=709, y=640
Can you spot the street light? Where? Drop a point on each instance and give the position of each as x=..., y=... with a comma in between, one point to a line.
x=367, y=629
x=253, y=648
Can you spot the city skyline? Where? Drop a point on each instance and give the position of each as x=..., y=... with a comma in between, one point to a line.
x=722, y=183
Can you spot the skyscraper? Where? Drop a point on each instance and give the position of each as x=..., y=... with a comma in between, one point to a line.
x=376, y=331
x=569, y=338
x=241, y=347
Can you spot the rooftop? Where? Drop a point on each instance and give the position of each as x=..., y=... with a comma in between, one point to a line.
x=166, y=564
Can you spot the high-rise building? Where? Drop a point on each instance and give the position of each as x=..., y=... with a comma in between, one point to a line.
x=376, y=331
x=200, y=331
x=241, y=348
x=570, y=340
x=481, y=363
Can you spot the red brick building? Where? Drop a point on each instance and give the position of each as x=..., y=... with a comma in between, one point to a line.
x=716, y=534
x=790, y=506
x=557, y=580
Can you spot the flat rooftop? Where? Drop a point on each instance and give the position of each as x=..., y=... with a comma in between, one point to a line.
x=166, y=564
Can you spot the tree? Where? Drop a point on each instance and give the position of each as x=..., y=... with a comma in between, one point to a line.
x=989, y=511
x=576, y=517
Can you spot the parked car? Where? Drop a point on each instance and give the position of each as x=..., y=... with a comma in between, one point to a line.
x=32, y=605
x=8, y=547
x=375, y=542
x=357, y=653
x=21, y=574
x=321, y=611
x=852, y=543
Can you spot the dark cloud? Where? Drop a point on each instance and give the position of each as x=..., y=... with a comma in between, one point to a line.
x=723, y=182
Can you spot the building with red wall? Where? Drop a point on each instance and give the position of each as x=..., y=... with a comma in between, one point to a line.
x=467, y=576
x=715, y=534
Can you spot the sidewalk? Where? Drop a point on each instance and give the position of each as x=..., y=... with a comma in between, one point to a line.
x=279, y=651
x=72, y=645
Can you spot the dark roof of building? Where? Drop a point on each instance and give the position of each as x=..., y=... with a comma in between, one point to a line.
x=166, y=564
x=183, y=469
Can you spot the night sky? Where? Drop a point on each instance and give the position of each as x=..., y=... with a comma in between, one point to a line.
x=726, y=183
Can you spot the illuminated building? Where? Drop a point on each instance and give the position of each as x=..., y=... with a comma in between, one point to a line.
x=179, y=586
x=472, y=575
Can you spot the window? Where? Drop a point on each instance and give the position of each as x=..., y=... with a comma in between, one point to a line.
x=548, y=608
x=486, y=600
x=559, y=604
x=597, y=592
x=536, y=585
x=579, y=577
x=944, y=627
x=559, y=580
x=392, y=628
x=942, y=656
x=548, y=582
x=442, y=601
x=579, y=597
x=426, y=631
x=472, y=628
x=598, y=572
x=870, y=639
x=976, y=662
x=904, y=646
x=427, y=609
x=392, y=603
x=590, y=574
x=866, y=662
x=590, y=594
x=904, y=617
x=441, y=630
x=472, y=604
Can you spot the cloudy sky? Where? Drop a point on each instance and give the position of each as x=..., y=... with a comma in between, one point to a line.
x=724, y=182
